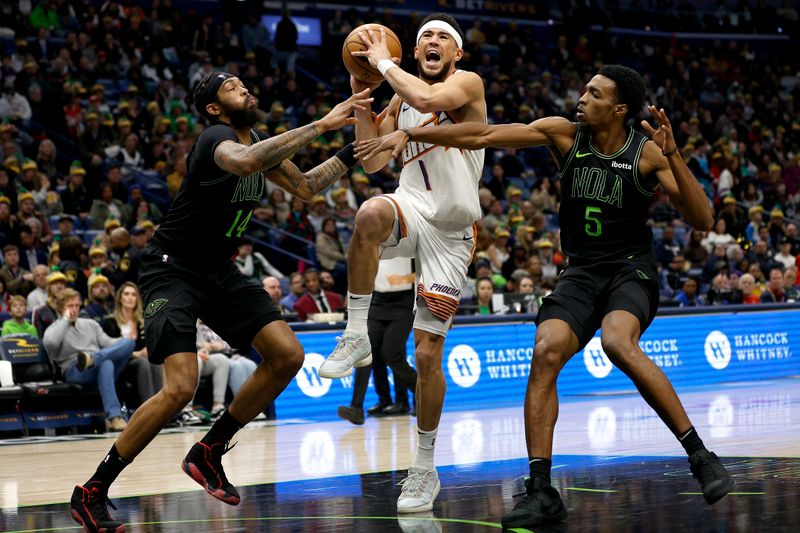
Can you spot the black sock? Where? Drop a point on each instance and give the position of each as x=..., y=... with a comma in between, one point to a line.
x=540, y=471
x=222, y=430
x=691, y=441
x=108, y=469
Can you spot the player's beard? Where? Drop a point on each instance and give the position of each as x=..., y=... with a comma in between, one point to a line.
x=440, y=76
x=244, y=118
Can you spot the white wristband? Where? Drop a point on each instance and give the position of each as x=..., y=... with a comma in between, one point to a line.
x=384, y=65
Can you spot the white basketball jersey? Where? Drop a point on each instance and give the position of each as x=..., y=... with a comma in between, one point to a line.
x=441, y=182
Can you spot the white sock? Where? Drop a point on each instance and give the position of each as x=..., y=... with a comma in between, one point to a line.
x=357, y=311
x=424, y=457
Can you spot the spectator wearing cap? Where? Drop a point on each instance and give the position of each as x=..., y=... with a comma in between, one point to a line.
x=545, y=250
x=756, y=216
x=149, y=228
x=776, y=223
x=9, y=229
x=105, y=206
x=18, y=324
x=65, y=228
x=28, y=180
x=319, y=211
x=47, y=313
x=100, y=301
x=774, y=292
x=732, y=215
x=344, y=213
x=76, y=198
x=361, y=183
x=27, y=209
x=93, y=142
x=497, y=251
x=38, y=296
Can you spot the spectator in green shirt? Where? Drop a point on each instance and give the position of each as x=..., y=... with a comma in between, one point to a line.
x=17, y=323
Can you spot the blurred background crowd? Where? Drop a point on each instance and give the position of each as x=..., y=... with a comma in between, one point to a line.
x=95, y=129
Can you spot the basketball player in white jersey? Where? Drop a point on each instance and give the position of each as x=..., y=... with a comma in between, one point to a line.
x=431, y=216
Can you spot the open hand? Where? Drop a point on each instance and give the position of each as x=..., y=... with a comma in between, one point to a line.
x=341, y=115
x=376, y=47
x=394, y=141
x=663, y=135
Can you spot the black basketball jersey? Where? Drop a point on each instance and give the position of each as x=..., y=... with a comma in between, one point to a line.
x=213, y=207
x=604, y=201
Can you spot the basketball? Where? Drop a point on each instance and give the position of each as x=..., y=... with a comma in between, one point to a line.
x=359, y=67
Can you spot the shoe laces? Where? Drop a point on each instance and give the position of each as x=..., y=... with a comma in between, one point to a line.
x=341, y=351
x=97, y=502
x=415, y=482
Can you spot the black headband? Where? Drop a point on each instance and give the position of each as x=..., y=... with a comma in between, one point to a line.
x=209, y=95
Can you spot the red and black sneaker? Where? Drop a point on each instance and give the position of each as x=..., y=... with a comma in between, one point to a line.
x=203, y=464
x=88, y=508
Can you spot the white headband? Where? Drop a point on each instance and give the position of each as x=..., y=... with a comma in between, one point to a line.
x=440, y=25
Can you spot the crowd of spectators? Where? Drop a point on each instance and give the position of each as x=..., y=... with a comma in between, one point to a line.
x=95, y=101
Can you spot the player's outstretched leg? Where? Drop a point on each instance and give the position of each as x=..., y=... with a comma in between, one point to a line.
x=374, y=222
x=620, y=334
x=282, y=359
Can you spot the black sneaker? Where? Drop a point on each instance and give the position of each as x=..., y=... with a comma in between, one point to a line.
x=709, y=471
x=88, y=508
x=540, y=506
x=351, y=414
x=203, y=464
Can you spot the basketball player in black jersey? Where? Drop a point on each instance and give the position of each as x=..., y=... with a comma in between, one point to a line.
x=187, y=273
x=608, y=175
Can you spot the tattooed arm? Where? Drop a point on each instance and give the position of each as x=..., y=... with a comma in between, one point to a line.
x=307, y=184
x=242, y=160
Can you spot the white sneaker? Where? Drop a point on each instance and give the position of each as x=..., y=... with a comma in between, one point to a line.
x=420, y=488
x=352, y=350
x=419, y=523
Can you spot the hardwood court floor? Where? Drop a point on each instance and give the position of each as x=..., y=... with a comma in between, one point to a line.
x=617, y=467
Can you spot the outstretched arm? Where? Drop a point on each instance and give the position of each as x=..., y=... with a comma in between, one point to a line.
x=678, y=181
x=474, y=136
x=307, y=184
x=242, y=160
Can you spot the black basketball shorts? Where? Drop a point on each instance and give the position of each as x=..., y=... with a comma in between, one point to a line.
x=585, y=294
x=175, y=295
